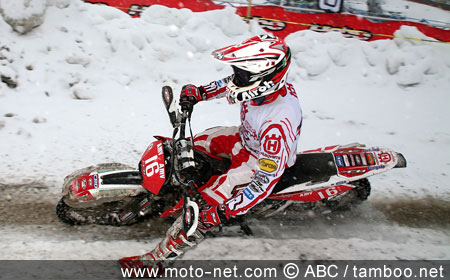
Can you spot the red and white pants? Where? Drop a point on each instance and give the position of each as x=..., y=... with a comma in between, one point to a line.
x=225, y=142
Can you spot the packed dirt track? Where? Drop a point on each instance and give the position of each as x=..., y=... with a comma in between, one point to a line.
x=29, y=223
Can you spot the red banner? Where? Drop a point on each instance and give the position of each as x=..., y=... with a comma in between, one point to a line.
x=282, y=23
x=348, y=25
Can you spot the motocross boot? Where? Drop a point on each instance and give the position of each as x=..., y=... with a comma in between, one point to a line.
x=173, y=245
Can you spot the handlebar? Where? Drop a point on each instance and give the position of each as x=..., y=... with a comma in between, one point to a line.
x=183, y=157
x=185, y=115
x=183, y=153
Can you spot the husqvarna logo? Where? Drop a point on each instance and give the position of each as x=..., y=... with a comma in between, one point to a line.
x=272, y=144
x=384, y=157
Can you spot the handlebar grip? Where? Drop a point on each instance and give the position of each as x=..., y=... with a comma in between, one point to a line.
x=187, y=107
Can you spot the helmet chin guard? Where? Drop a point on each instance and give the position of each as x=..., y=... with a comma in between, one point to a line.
x=239, y=94
x=260, y=65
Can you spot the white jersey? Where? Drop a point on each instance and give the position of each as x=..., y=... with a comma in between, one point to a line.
x=272, y=129
x=270, y=132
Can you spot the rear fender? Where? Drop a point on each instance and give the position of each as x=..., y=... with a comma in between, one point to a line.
x=333, y=166
x=356, y=161
x=360, y=162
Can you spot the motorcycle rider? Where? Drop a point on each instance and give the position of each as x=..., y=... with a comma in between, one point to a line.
x=260, y=148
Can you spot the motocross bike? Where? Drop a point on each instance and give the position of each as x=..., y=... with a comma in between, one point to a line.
x=163, y=185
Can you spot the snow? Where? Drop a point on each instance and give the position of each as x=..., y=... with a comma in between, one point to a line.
x=86, y=89
x=23, y=15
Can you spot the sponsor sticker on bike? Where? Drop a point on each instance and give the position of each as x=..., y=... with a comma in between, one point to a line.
x=152, y=166
x=385, y=157
x=95, y=177
x=340, y=161
x=358, y=159
x=370, y=159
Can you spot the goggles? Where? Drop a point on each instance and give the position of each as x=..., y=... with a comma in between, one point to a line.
x=241, y=77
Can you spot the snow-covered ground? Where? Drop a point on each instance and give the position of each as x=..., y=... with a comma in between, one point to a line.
x=88, y=91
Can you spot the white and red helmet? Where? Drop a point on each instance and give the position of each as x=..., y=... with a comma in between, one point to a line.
x=260, y=66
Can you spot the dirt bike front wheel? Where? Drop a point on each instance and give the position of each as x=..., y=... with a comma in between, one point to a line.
x=104, y=214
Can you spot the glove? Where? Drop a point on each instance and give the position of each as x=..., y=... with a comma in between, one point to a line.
x=211, y=216
x=189, y=96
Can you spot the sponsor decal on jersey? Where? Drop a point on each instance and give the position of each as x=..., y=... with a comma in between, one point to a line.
x=248, y=193
x=244, y=111
x=256, y=186
x=213, y=86
x=272, y=144
x=267, y=174
x=268, y=165
x=235, y=202
x=291, y=90
x=261, y=177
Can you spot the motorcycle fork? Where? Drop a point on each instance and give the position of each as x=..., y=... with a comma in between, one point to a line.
x=135, y=208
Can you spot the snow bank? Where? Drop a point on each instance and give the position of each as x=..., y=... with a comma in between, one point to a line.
x=83, y=88
x=103, y=47
x=23, y=15
x=401, y=61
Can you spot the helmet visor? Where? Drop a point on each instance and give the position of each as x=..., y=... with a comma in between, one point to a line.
x=241, y=77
